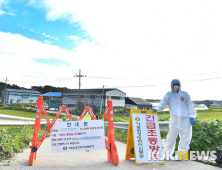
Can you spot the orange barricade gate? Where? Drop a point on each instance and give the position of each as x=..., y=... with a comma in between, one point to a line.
x=112, y=154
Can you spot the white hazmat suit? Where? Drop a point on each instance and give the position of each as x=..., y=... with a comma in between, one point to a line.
x=181, y=110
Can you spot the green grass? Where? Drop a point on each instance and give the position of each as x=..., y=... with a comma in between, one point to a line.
x=22, y=104
x=206, y=116
x=14, y=138
x=121, y=118
x=203, y=115
x=33, y=114
x=23, y=114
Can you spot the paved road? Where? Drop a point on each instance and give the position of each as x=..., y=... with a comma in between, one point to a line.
x=93, y=160
x=7, y=120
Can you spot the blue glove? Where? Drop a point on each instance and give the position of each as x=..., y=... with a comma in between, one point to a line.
x=192, y=121
x=154, y=110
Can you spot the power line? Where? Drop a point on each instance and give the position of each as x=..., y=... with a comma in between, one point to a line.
x=99, y=77
x=150, y=85
x=203, y=79
x=154, y=77
x=43, y=81
x=104, y=77
x=96, y=77
x=184, y=75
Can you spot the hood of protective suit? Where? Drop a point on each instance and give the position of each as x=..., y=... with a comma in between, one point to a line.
x=175, y=81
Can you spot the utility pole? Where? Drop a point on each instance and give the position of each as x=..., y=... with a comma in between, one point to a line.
x=49, y=99
x=92, y=98
x=101, y=101
x=5, y=88
x=79, y=80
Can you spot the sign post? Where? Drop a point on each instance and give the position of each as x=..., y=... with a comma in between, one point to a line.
x=144, y=139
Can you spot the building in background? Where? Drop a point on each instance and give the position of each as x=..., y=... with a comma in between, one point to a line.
x=137, y=103
x=200, y=107
x=154, y=105
x=19, y=96
x=216, y=105
x=93, y=97
x=53, y=99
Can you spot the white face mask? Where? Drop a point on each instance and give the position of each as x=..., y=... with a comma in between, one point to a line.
x=175, y=88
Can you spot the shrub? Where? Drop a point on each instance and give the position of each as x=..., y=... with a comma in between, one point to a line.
x=71, y=111
x=80, y=107
x=14, y=139
x=95, y=109
x=125, y=110
x=206, y=136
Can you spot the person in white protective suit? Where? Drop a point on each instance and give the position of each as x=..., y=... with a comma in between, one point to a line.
x=182, y=117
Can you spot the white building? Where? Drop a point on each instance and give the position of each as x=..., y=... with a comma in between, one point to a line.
x=200, y=107
x=94, y=97
x=20, y=96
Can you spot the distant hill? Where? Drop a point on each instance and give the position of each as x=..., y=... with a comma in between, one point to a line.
x=41, y=89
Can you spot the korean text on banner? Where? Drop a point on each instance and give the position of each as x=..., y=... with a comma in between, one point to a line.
x=77, y=136
x=148, y=148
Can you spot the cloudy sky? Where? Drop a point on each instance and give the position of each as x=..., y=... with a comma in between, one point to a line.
x=137, y=46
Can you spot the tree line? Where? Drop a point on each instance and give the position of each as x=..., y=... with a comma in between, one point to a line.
x=2, y=87
x=41, y=89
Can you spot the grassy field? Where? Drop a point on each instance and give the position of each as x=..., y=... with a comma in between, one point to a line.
x=202, y=115
x=205, y=115
x=22, y=114
x=22, y=104
x=32, y=115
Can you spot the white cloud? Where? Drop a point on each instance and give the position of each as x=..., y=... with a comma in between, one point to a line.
x=167, y=31
x=73, y=37
x=48, y=36
x=2, y=12
x=47, y=42
x=2, y=4
x=11, y=13
x=4, y=9
x=171, y=39
x=17, y=54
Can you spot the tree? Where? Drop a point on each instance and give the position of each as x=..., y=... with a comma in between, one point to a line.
x=94, y=109
x=80, y=106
